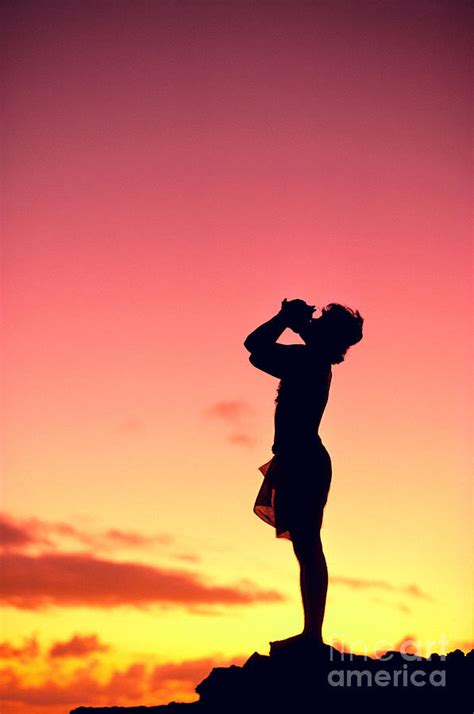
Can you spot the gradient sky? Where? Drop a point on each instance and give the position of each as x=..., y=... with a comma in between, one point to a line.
x=172, y=170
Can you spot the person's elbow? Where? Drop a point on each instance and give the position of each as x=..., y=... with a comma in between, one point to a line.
x=252, y=359
x=249, y=344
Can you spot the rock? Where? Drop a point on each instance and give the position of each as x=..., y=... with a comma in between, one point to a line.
x=301, y=678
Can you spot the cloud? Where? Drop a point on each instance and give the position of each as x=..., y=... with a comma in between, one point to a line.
x=134, y=539
x=82, y=688
x=134, y=684
x=242, y=439
x=230, y=411
x=235, y=414
x=29, y=650
x=190, y=671
x=12, y=535
x=78, y=646
x=361, y=583
x=78, y=579
x=23, y=534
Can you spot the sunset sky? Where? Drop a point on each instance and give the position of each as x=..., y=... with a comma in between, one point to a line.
x=173, y=170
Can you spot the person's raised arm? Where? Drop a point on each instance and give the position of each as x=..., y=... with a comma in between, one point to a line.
x=293, y=314
x=265, y=352
x=267, y=334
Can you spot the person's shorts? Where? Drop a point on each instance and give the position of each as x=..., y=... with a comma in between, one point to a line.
x=294, y=491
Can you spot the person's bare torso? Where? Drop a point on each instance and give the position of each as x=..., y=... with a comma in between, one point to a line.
x=302, y=397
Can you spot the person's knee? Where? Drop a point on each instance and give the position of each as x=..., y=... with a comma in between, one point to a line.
x=307, y=545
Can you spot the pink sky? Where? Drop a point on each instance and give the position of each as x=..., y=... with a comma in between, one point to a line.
x=173, y=170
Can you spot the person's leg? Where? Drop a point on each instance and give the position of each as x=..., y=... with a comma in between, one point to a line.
x=313, y=579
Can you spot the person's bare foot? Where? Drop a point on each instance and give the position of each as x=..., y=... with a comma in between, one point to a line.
x=302, y=640
x=313, y=637
x=294, y=640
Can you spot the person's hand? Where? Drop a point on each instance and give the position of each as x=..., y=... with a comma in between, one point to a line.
x=296, y=313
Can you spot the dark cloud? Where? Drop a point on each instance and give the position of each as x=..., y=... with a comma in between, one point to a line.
x=77, y=579
x=122, y=687
x=83, y=688
x=29, y=650
x=16, y=535
x=24, y=534
x=361, y=583
x=78, y=646
x=13, y=536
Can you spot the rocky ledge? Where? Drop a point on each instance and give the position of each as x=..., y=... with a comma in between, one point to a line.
x=321, y=680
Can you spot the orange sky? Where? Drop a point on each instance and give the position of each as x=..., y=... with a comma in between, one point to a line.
x=172, y=171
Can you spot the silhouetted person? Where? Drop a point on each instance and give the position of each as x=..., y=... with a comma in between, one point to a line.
x=297, y=478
